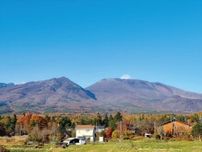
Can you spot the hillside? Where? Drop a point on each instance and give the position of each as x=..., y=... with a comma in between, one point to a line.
x=58, y=94
x=133, y=95
x=107, y=95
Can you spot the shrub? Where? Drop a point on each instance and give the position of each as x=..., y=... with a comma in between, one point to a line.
x=39, y=136
x=108, y=133
x=158, y=137
x=116, y=134
x=197, y=130
x=2, y=149
x=128, y=135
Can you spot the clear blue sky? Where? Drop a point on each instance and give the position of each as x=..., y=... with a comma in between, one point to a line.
x=154, y=40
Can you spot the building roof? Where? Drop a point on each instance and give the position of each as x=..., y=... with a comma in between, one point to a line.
x=85, y=127
x=183, y=123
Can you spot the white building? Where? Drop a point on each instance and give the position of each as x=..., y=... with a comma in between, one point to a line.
x=87, y=131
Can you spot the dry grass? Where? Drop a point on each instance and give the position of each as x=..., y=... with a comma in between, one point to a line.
x=16, y=140
x=16, y=144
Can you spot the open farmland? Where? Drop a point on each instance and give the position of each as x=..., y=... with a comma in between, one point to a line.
x=144, y=145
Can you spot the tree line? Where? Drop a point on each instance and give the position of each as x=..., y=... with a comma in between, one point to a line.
x=56, y=127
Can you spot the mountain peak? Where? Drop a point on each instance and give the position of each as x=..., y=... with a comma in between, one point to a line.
x=63, y=78
x=57, y=94
x=133, y=93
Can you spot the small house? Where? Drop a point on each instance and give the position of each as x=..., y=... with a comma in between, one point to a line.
x=87, y=131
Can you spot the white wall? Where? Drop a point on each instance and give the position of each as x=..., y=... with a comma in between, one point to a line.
x=85, y=132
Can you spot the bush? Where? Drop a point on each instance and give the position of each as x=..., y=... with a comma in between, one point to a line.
x=158, y=137
x=35, y=135
x=116, y=134
x=128, y=135
x=2, y=149
x=197, y=130
x=39, y=136
x=108, y=133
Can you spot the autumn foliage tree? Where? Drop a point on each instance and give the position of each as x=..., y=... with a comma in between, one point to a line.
x=197, y=130
x=108, y=133
x=8, y=124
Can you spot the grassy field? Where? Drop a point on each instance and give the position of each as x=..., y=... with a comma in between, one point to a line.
x=145, y=145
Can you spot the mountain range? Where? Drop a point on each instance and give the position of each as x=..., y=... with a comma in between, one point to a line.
x=107, y=95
